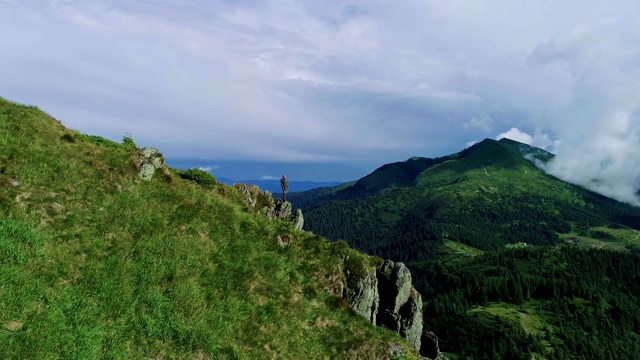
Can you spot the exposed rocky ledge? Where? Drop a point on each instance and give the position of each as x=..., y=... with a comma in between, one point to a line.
x=263, y=202
x=430, y=349
x=400, y=303
x=380, y=291
x=149, y=160
x=384, y=295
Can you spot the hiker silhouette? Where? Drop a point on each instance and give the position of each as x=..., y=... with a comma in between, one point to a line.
x=285, y=186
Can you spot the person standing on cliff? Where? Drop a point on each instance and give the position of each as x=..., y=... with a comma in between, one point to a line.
x=285, y=186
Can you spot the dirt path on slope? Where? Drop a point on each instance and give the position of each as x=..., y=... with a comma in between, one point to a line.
x=525, y=322
x=477, y=163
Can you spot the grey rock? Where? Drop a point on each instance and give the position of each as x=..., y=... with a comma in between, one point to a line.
x=430, y=348
x=249, y=194
x=282, y=210
x=386, y=297
x=264, y=203
x=267, y=211
x=398, y=279
x=149, y=152
x=363, y=296
x=16, y=183
x=410, y=317
x=395, y=350
x=147, y=171
x=298, y=220
x=149, y=160
x=400, y=303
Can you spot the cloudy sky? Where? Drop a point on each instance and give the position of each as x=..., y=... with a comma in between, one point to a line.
x=330, y=90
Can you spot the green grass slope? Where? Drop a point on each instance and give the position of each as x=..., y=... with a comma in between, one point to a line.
x=95, y=263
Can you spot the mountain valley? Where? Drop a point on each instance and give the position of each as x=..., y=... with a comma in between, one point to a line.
x=505, y=255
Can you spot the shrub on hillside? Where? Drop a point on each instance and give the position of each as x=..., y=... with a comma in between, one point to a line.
x=68, y=138
x=128, y=143
x=199, y=176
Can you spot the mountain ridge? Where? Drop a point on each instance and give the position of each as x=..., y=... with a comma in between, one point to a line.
x=273, y=185
x=402, y=174
x=107, y=252
x=486, y=174
x=503, y=253
x=469, y=227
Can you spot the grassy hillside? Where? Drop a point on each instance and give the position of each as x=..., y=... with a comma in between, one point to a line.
x=95, y=263
x=513, y=263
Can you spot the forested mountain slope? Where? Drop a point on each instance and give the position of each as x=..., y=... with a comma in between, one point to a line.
x=512, y=263
x=486, y=196
x=96, y=262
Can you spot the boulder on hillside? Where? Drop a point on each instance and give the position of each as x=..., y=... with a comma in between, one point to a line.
x=430, y=348
x=400, y=303
x=385, y=296
x=254, y=198
x=361, y=290
x=262, y=202
x=149, y=160
x=396, y=278
x=282, y=210
x=298, y=220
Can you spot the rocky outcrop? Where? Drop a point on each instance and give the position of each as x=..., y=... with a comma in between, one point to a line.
x=298, y=220
x=361, y=292
x=396, y=280
x=263, y=203
x=149, y=160
x=282, y=210
x=400, y=303
x=385, y=296
x=430, y=349
x=255, y=199
x=380, y=291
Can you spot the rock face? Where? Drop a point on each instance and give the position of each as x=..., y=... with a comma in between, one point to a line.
x=263, y=203
x=361, y=292
x=282, y=210
x=386, y=297
x=149, y=160
x=380, y=292
x=396, y=280
x=298, y=220
x=255, y=199
x=430, y=349
x=400, y=303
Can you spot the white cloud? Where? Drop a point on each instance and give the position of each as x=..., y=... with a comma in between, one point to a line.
x=599, y=129
x=349, y=81
x=517, y=135
x=269, y=177
x=208, y=168
x=470, y=143
x=540, y=140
